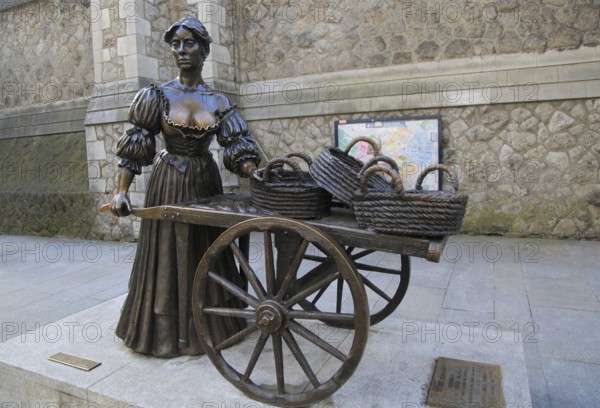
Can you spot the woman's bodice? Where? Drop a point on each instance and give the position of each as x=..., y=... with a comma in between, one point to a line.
x=190, y=109
x=189, y=119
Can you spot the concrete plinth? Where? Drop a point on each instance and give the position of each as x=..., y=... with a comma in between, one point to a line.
x=395, y=370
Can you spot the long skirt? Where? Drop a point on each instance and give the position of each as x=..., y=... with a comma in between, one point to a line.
x=157, y=314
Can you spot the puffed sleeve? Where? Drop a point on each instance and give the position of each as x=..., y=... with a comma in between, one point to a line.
x=235, y=136
x=137, y=146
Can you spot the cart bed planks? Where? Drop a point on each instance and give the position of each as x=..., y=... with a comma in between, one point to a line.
x=227, y=210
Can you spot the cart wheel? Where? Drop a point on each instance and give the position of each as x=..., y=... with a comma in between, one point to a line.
x=316, y=358
x=385, y=287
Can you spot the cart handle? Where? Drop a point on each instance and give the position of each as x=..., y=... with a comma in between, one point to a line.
x=106, y=208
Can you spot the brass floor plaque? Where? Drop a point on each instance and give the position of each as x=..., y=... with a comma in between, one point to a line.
x=74, y=361
x=458, y=383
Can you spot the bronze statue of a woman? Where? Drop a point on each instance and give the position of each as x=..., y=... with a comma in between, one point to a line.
x=157, y=314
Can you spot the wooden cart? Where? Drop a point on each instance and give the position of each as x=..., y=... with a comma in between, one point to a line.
x=319, y=297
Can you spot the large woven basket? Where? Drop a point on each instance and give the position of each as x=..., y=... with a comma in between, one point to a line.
x=338, y=172
x=289, y=193
x=393, y=210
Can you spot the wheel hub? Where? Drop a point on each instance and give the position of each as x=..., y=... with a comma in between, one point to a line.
x=270, y=316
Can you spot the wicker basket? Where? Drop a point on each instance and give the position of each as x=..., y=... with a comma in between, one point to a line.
x=338, y=172
x=289, y=193
x=279, y=173
x=413, y=212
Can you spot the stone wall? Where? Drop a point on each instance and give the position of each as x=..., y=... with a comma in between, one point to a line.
x=101, y=145
x=46, y=81
x=154, y=16
x=161, y=14
x=45, y=55
x=530, y=169
x=284, y=39
x=44, y=186
x=516, y=84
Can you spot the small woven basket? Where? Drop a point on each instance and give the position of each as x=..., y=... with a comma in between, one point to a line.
x=393, y=210
x=289, y=193
x=338, y=172
x=279, y=173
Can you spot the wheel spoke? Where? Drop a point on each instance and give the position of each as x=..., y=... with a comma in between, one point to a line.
x=315, y=258
x=244, y=245
x=278, y=354
x=269, y=263
x=236, y=337
x=252, y=278
x=310, y=289
x=260, y=345
x=375, y=289
x=326, y=317
x=292, y=270
x=234, y=290
x=295, y=349
x=316, y=274
x=373, y=268
x=361, y=254
x=318, y=295
x=316, y=340
x=340, y=294
x=226, y=311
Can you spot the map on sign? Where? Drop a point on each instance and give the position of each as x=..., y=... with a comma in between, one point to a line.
x=413, y=142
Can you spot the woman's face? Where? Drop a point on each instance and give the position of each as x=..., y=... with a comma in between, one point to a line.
x=188, y=52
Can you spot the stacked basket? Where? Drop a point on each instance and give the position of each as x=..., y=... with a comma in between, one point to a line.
x=409, y=212
x=292, y=193
x=377, y=204
x=338, y=172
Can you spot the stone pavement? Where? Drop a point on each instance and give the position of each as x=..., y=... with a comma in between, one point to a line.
x=492, y=299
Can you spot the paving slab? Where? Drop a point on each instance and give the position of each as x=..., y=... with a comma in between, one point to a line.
x=575, y=383
x=509, y=276
x=19, y=298
x=592, y=276
x=471, y=287
x=511, y=308
x=567, y=334
x=552, y=266
x=427, y=274
x=538, y=385
x=468, y=317
x=573, y=293
x=421, y=304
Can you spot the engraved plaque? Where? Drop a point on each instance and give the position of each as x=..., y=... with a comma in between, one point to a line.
x=458, y=383
x=74, y=361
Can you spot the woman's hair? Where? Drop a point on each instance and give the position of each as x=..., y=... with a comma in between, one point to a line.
x=196, y=27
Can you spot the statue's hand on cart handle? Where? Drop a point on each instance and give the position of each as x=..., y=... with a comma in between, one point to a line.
x=250, y=170
x=120, y=204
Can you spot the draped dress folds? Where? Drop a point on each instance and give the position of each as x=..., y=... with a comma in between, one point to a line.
x=157, y=314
